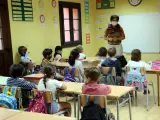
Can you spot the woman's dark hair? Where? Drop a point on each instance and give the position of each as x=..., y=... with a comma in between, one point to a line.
x=114, y=16
x=47, y=52
x=102, y=52
x=73, y=56
x=57, y=48
x=48, y=71
x=92, y=73
x=112, y=52
x=21, y=50
x=16, y=70
x=136, y=55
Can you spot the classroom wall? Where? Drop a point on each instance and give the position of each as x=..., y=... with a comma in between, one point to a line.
x=124, y=8
x=36, y=39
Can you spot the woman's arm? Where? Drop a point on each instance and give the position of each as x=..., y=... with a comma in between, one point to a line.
x=122, y=37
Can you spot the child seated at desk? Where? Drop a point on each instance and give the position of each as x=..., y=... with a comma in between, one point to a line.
x=16, y=72
x=102, y=54
x=49, y=83
x=75, y=63
x=82, y=56
x=92, y=87
x=58, y=54
x=137, y=62
x=47, y=54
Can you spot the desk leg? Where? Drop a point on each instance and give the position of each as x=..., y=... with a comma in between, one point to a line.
x=158, y=90
x=130, y=111
x=74, y=105
x=117, y=109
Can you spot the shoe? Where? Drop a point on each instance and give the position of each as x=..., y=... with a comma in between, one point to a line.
x=145, y=92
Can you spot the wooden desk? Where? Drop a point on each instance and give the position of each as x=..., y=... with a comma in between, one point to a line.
x=117, y=93
x=37, y=116
x=34, y=78
x=6, y=113
x=156, y=72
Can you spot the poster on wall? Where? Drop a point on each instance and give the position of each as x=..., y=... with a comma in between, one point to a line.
x=88, y=41
x=86, y=9
x=105, y=4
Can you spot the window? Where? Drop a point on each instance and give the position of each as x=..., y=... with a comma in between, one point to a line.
x=70, y=24
x=1, y=44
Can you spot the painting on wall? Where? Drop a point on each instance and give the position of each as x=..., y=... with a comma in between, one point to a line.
x=105, y=4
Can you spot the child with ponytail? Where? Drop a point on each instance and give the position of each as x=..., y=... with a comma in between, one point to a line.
x=49, y=83
x=75, y=63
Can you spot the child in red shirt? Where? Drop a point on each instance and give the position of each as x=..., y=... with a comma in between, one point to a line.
x=92, y=87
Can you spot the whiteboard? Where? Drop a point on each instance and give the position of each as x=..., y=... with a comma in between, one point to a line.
x=142, y=32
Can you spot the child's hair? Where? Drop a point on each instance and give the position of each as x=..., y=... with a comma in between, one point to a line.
x=73, y=56
x=16, y=70
x=92, y=73
x=136, y=55
x=57, y=48
x=112, y=52
x=47, y=52
x=102, y=52
x=22, y=49
x=79, y=48
x=48, y=71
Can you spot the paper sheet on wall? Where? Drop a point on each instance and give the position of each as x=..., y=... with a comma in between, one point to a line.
x=42, y=26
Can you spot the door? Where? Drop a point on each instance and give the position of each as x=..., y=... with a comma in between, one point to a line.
x=6, y=59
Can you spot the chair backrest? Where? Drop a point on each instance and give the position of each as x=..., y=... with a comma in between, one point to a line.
x=18, y=91
x=48, y=96
x=106, y=70
x=97, y=99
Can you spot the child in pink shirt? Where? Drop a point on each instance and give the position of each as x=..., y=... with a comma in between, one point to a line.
x=92, y=87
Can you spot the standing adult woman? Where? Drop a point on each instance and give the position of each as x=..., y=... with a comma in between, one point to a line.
x=114, y=34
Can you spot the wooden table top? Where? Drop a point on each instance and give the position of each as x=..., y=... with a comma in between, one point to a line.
x=34, y=77
x=6, y=113
x=37, y=116
x=116, y=91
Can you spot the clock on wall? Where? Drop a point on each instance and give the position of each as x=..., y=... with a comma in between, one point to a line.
x=135, y=2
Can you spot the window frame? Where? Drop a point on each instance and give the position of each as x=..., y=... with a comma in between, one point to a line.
x=71, y=6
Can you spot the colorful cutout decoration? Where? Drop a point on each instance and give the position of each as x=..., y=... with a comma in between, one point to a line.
x=88, y=39
x=86, y=9
x=105, y=4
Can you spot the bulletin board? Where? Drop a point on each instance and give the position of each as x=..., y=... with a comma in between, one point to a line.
x=105, y=4
x=22, y=10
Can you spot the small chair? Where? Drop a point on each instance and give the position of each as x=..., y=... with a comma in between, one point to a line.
x=48, y=97
x=135, y=76
x=83, y=100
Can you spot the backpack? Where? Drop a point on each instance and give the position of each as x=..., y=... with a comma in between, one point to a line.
x=107, y=78
x=69, y=77
x=7, y=98
x=122, y=60
x=156, y=65
x=135, y=79
x=37, y=104
x=93, y=112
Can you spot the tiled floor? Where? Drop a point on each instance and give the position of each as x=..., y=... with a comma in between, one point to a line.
x=139, y=111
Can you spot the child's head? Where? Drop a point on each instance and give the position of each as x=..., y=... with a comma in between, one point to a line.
x=49, y=72
x=136, y=55
x=79, y=48
x=22, y=50
x=58, y=50
x=102, y=52
x=92, y=75
x=73, y=56
x=47, y=53
x=112, y=52
x=16, y=70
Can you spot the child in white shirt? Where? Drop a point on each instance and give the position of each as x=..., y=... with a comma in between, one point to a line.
x=75, y=63
x=49, y=83
x=82, y=56
x=58, y=54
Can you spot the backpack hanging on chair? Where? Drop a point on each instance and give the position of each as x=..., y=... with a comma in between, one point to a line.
x=107, y=78
x=7, y=98
x=37, y=104
x=69, y=76
x=135, y=79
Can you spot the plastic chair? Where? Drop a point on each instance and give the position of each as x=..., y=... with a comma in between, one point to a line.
x=83, y=99
x=135, y=76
